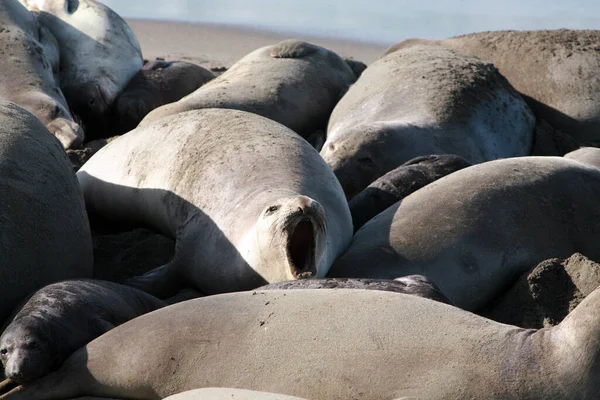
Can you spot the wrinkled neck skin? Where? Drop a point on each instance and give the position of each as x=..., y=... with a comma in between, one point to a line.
x=288, y=240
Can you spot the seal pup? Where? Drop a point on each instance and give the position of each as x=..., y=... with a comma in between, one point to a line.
x=229, y=394
x=292, y=82
x=475, y=231
x=555, y=70
x=45, y=235
x=417, y=285
x=399, y=183
x=99, y=54
x=423, y=100
x=586, y=155
x=30, y=72
x=248, y=201
x=325, y=344
x=62, y=317
x=159, y=82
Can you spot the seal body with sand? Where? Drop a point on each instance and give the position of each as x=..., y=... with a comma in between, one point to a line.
x=99, y=54
x=307, y=335
x=424, y=100
x=475, y=231
x=249, y=201
x=30, y=58
x=159, y=82
x=45, y=235
x=586, y=155
x=294, y=83
x=556, y=70
x=62, y=317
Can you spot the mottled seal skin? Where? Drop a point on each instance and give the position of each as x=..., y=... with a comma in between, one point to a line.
x=421, y=100
x=399, y=183
x=417, y=285
x=60, y=318
x=248, y=201
x=341, y=334
x=30, y=57
x=294, y=83
x=159, y=82
x=475, y=231
x=229, y=394
x=555, y=70
x=586, y=155
x=45, y=235
x=99, y=54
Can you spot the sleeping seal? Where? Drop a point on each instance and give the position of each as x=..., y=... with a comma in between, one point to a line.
x=326, y=344
x=45, y=234
x=60, y=318
x=249, y=201
x=99, y=54
x=30, y=58
x=423, y=100
x=294, y=83
x=475, y=231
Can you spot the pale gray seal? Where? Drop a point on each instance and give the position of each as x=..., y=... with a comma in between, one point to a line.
x=99, y=54
x=555, y=70
x=62, y=317
x=294, y=83
x=423, y=100
x=327, y=344
x=475, y=231
x=399, y=183
x=45, y=235
x=249, y=201
x=30, y=58
x=586, y=155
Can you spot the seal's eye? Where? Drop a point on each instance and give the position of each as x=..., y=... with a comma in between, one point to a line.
x=272, y=209
x=91, y=102
x=72, y=6
x=3, y=351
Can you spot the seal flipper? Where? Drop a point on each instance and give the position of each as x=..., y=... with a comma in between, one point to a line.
x=7, y=385
x=293, y=48
x=162, y=282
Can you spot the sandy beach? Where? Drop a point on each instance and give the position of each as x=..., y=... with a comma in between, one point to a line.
x=214, y=46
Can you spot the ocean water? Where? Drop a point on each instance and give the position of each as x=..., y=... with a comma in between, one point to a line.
x=378, y=21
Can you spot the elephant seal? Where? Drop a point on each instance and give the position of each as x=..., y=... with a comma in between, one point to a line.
x=417, y=285
x=159, y=82
x=423, y=100
x=325, y=344
x=475, y=231
x=45, y=235
x=586, y=155
x=99, y=54
x=294, y=83
x=30, y=58
x=399, y=183
x=62, y=317
x=229, y=394
x=555, y=70
x=248, y=201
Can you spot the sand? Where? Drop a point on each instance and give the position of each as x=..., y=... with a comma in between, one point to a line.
x=214, y=46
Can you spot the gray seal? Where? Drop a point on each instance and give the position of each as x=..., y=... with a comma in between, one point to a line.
x=586, y=155
x=45, y=235
x=475, y=231
x=248, y=201
x=292, y=82
x=421, y=100
x=30, y=64
x=326, y=344
x=62, y=317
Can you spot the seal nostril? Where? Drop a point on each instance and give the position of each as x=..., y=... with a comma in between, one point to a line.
x=301, y=210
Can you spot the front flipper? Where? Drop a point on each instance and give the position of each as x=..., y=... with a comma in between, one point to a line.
x=162, y=282
x=7, y=385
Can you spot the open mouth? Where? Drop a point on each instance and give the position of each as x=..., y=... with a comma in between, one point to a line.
x=301, y=250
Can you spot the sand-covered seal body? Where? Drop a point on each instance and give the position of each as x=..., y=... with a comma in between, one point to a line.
x=30, y=57
x=292, y=82
x=399, y=183
x=417, y=285
x=62, y=317
x=475, y=231
x=424, y=100
x=343, y=335
x=249, y=201
x=586, y=155
x=99, y=54
x=159, y=82
x=45, y=235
